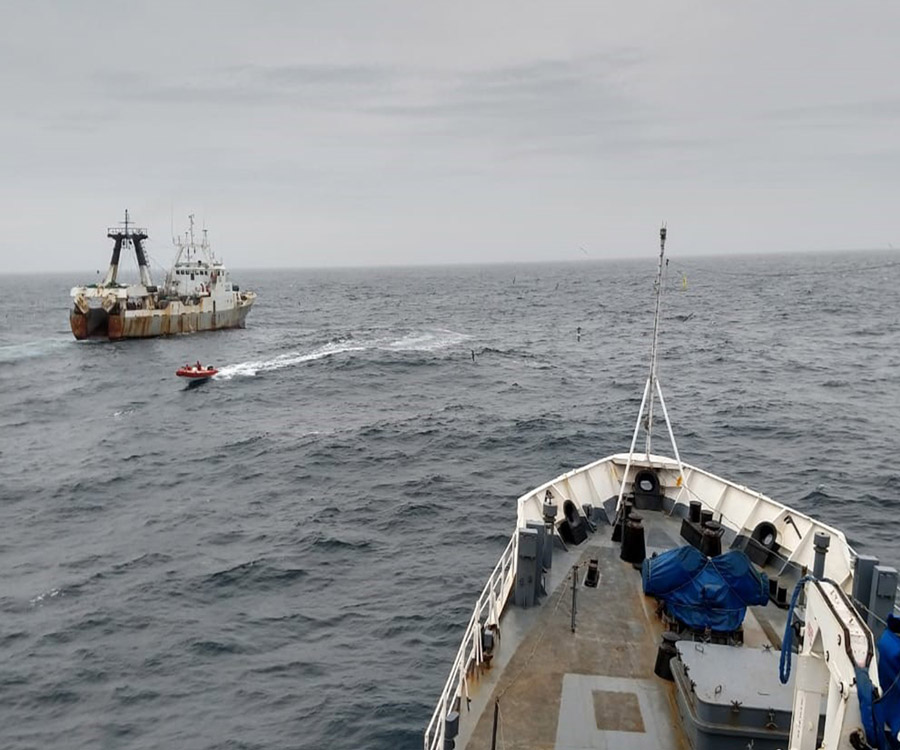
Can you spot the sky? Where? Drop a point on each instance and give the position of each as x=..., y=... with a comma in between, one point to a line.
x=358, y=133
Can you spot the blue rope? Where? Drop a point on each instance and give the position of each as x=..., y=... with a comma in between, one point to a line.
x=872, y=717
x=784, y=665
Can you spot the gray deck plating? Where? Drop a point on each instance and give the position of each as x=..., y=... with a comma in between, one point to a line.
x=594, y=688
x=613, y=712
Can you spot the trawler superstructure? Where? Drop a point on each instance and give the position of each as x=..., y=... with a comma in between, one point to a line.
x=198, y=294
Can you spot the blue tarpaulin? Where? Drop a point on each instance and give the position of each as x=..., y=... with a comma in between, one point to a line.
x=705, y=592
x=888, y=707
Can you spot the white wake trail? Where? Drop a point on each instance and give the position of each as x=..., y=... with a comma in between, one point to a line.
x=249, y=369
x=417, y=341
x=426, y=341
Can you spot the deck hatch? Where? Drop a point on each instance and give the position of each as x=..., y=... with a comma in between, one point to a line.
x=617, y=711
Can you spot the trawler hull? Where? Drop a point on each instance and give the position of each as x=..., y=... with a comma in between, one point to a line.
x=136, y=324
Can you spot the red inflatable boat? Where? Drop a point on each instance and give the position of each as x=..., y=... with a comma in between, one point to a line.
x=196, y=372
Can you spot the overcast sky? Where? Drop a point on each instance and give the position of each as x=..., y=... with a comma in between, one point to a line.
x=368, y=133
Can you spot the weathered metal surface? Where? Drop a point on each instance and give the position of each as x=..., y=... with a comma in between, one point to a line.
x=115, y=327
x=173, y=319
x=89, y=324
x=149, y=323
x=613, y=650
x=78, y=322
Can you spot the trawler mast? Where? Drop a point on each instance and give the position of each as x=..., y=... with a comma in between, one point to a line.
x=128, y=235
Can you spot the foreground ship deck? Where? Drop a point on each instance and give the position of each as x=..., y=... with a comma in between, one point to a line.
x=594, y=686
x=646, y=603
x=591, y=688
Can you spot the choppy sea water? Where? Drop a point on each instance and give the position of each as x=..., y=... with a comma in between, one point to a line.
x=285, y=557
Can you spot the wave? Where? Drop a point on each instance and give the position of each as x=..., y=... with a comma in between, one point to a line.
x=215, y=648
x=425, y=341
x=252, y=368
x=297, y=669
x=51, y=594
x=254, y=573
x=818, y=495
x=324, y=541
x=29, y=349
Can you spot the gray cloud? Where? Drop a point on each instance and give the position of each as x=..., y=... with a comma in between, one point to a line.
x=841, y=113
x=393, y=132
x=250, y=84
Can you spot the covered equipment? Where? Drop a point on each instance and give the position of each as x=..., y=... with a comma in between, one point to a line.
x=705, y=592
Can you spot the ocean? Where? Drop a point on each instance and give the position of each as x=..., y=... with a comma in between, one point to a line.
x=286, y=556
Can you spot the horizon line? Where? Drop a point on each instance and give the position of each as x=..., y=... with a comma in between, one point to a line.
x=481, y=264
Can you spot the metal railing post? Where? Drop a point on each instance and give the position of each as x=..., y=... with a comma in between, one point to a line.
x=494, y=732
x=574, y=593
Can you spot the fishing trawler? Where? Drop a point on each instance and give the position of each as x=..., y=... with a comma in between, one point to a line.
x=643, y=602
x=198, y=294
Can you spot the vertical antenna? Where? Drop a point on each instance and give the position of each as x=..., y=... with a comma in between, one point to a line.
x=654, y=345
x=127, y=240
x=651, y=389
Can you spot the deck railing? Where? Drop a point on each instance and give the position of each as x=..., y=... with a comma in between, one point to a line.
x=470, y=655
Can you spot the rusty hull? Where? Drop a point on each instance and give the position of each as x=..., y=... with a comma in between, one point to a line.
x=90, y=324
x=79, y=324
x=133, y=324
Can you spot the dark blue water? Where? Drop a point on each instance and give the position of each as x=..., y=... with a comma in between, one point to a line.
x=285, y=557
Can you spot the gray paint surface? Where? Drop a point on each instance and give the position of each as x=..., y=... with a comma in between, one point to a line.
x=578, y=730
